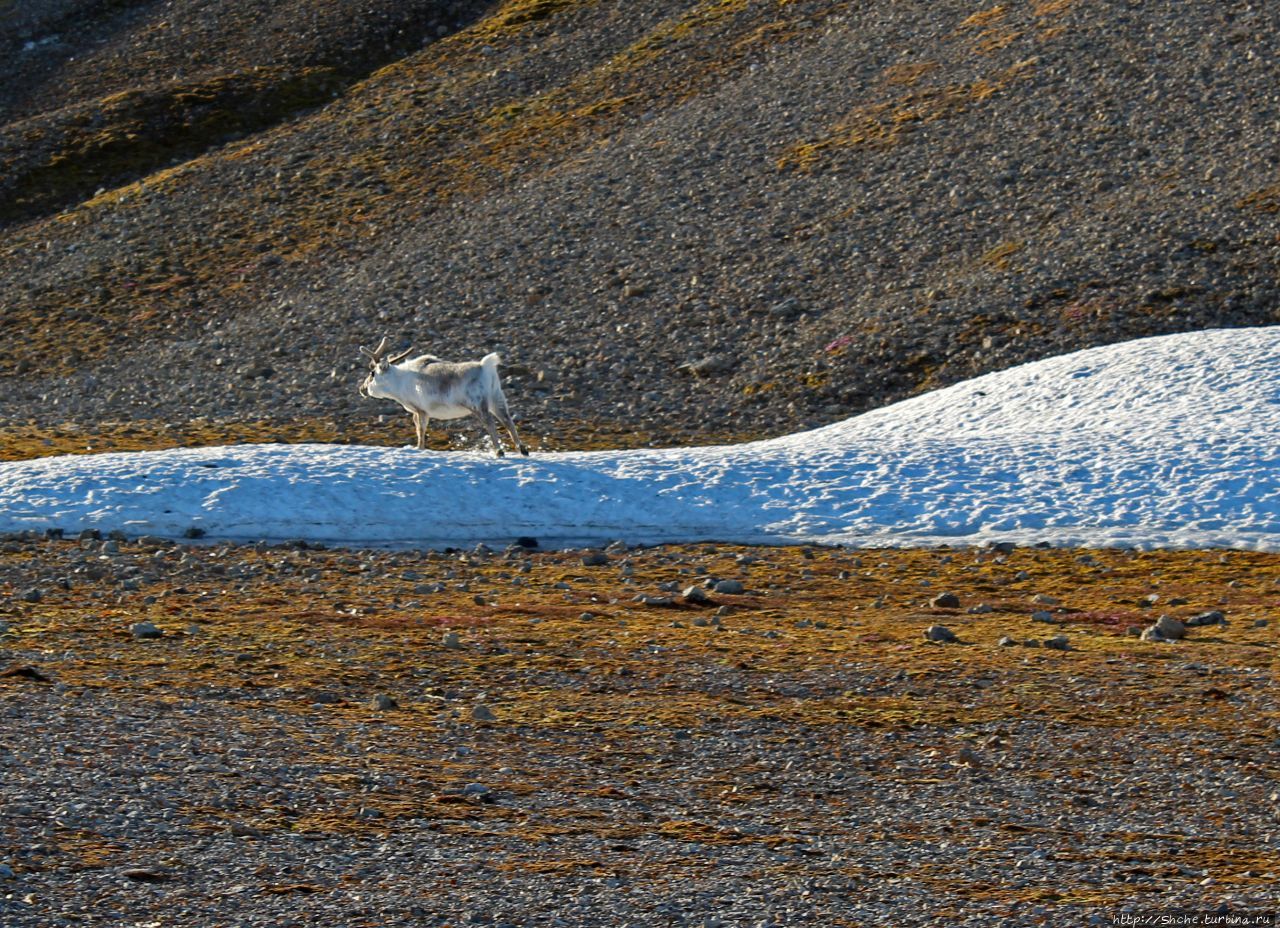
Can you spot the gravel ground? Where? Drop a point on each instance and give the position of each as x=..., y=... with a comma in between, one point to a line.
x=742, y=216
x=337, y=737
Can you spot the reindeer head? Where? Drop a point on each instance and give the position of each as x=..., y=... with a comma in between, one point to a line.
x=379, y=362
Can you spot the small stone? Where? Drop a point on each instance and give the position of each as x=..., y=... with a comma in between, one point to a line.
x=6, y=872
x=660, y=602
x=1153, y=634
x=1133, y=631
x=480, y=600
x=476, y=789
x=730, y=587
x=1041, y=599
x=145, y=630
x=1149, y=600
x=32, y=596
x=695, y=594
x=1042, y=616
x=1170, y=627
x=945, y=601
x=241, y=830
x=1261, y=623
x=595, y=559
x=981, y=609
x=1031, y=643
x=450, y=640
x=1206, y=618
x=145, y=874
x=940, y=633
x=1007, y=642
x=384, y=702
x=1058, y=643
x=482, y=713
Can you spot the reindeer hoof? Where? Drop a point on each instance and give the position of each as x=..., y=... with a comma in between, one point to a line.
x=524, y=450
x=501, y=453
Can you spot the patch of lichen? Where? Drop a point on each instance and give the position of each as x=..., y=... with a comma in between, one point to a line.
x=1264, y=200
x=886, y=123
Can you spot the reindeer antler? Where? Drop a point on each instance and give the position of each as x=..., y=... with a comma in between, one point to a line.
x=377, y=353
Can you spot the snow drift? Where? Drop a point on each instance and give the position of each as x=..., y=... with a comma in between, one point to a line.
x=1167, y=442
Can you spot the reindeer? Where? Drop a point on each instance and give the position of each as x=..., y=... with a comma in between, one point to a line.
x=429, y=388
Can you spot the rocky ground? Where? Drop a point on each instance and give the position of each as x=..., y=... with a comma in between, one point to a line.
x=729, y=216
x=693, y=736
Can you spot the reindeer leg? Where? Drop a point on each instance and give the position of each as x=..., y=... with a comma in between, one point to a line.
x=504, y=416
x=420, y=429
x=487, y=418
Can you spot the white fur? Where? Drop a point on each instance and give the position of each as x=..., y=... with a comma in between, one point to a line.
x=429, y=388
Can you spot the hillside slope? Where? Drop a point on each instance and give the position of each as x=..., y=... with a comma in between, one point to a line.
x=819, y=206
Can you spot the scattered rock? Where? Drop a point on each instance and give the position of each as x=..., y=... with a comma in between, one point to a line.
x=451, y=640
x=660, y=602
x=242, y=830
x=595, y=559
x=482, y=713
x=940, y=633
x=981, y=609
x=1206, y=618
x=945, y=601
x=1007, y=642
x=384, y=702
x=146, y=630
x=1170, y=627
x=1042, y=616
x=695, y=594
x=1058, y=643
x=6, y=872
x=32, y=596
x=730, y=587
x=1153, y=634
x=145, y=874
x=1031, y=643
x=1261, y=623
x=1041, y=599
x=708, y=366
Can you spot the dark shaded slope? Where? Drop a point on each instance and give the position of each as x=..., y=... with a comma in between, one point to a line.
x=98, y=94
